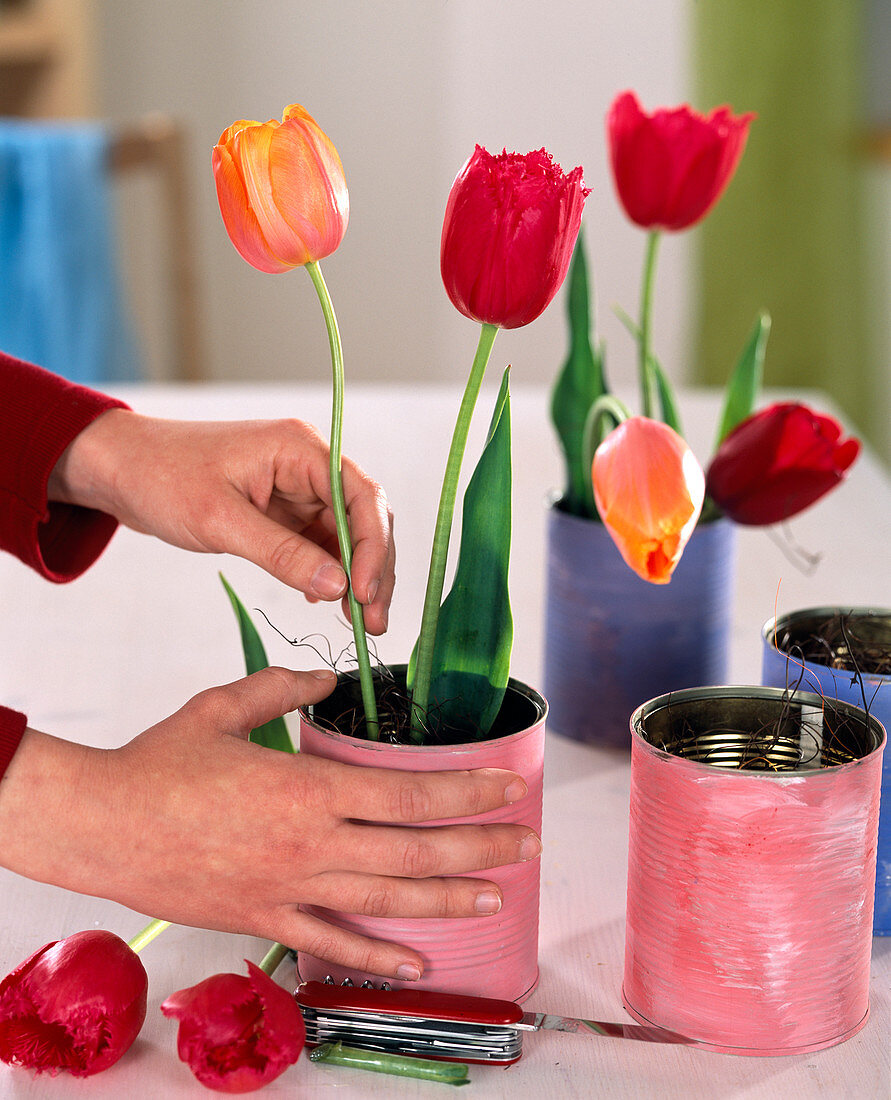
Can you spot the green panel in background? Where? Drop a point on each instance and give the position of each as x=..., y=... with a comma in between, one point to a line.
x=791, y=234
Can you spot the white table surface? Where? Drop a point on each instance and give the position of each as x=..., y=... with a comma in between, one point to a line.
x=149, y=626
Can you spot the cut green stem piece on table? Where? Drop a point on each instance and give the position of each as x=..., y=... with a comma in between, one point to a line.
x=273, y=958
x=398, y=1065
x=144, y=938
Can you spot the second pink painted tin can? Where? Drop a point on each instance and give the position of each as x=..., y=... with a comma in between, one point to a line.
x=751, y=867
x=492, y=956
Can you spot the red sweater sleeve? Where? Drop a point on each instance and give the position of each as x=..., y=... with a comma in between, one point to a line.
x=40, y=414
x=12, y=726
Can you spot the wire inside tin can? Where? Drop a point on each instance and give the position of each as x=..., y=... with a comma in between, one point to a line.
x=757, y=729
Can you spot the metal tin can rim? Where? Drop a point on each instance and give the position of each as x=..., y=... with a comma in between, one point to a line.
x=527, y=692
x=744, y=691
x=775, y=622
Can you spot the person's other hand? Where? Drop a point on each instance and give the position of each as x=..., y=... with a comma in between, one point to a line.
x=258, y=489
x=192, y=823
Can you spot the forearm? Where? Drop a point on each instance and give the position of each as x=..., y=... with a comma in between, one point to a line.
x=49, y=819
x=87, y=470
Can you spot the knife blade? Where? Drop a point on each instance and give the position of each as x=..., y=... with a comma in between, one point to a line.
x=544, y=1021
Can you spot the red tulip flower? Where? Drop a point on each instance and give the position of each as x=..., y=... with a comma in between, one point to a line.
x=671, y=167
x=281, y=190
x=76, y=1004
x=649, y=490
x=509, y=229
x=237, y=1034
x=777, y=463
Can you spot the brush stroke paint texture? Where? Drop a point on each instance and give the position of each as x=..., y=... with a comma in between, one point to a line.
x=749, y=915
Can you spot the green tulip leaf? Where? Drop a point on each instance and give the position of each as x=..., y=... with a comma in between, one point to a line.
x=474, y=636
x=273, y=734
x=667, y=401
x=745, y=382
x=580, y=382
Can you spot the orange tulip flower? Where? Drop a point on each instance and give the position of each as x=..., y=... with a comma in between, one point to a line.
x=649, y=489
x=281, y=190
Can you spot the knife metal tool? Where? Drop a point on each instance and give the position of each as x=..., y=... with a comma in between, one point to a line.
x=442, y=1025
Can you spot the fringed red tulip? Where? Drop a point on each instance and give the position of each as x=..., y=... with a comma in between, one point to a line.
x=76, y=1005
x=510, y=226
x=777, y=463
x=649, y=489
x=671, y=167
x=237, y=1034
x=281, y=190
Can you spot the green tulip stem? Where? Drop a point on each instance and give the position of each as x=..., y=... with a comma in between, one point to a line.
x=273, y=958
x=605, y=407
x=442, y=532
x=145, y=937
x=648, y=385
x=340, y=514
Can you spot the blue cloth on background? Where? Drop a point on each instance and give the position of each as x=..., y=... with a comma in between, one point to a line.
x=60, y=294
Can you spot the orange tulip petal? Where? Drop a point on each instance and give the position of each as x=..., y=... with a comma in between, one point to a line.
x=229, y=133
x=252, y=151
x=238, y=217
x=649, y=490
x=281, y=190
x=308, y=185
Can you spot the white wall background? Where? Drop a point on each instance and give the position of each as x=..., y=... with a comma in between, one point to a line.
x=404, y=88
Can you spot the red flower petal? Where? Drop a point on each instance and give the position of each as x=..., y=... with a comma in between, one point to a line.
x=509, y=229
x=76, y=1004
x=236, y=1033
x=777, y=463
x=672, y=166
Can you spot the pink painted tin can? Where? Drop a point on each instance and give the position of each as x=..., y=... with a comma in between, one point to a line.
x=751, y=868
x=845, y=634
x=492, y=956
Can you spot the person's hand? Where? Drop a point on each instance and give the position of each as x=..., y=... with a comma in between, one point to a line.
x=258, y=489
x=190, y=822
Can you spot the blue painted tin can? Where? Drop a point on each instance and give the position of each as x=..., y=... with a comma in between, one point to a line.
x=613, y=640
x=780, y=667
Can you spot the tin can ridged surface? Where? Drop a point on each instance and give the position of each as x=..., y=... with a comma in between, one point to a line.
x=779, y=669
x=613, y=640
x=492, y=956
x=749, y=906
